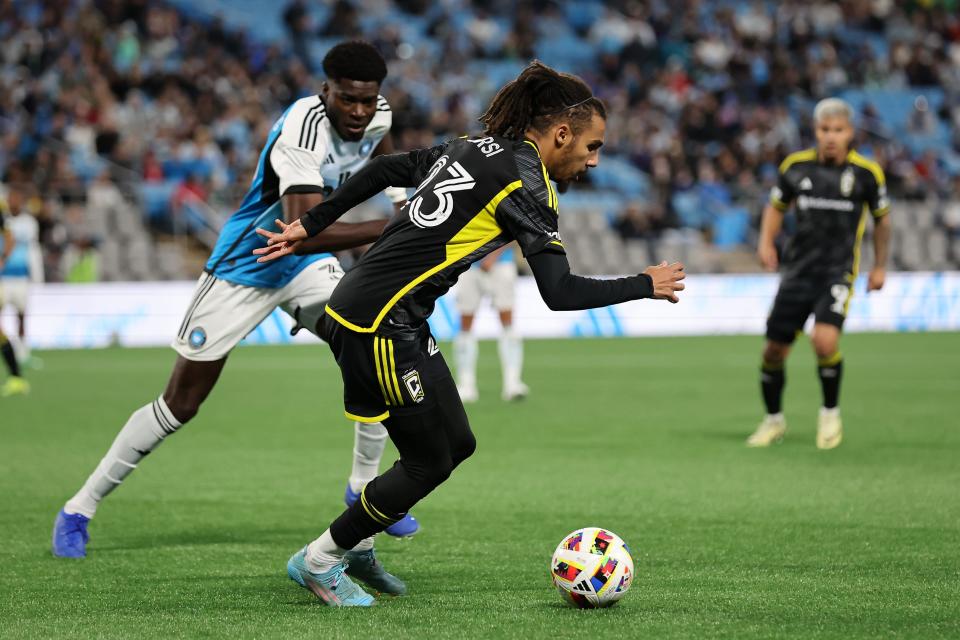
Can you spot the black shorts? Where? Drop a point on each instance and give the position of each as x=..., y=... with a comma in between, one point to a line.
x=385, y=376
x=828, y=299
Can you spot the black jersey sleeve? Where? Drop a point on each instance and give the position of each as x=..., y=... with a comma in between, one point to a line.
x=782, y=193
x=531, y=223
x=877, y=198
x=393, y=170
x=564, y=291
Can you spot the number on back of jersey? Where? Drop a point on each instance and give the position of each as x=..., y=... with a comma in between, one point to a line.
x=459, y=180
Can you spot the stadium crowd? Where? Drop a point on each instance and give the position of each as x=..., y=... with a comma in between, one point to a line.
x=166, y=104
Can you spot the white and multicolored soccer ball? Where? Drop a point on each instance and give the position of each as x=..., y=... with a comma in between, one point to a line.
x=592, y=568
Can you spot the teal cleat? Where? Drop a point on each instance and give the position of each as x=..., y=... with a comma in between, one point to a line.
x=364, y=566
x=332, y=587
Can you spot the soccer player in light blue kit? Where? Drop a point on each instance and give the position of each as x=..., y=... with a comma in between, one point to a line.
x=312, y=149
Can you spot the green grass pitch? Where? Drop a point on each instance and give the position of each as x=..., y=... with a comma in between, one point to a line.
x=643, y=436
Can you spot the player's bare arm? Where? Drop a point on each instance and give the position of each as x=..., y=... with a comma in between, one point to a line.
x=881, y=246
x=336, y=237
x=770, y=227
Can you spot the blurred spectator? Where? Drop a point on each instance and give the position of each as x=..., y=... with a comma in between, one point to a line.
x=705, y=97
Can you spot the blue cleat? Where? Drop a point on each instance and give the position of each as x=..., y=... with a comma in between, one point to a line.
x=364, y=566
x=332, y=587
x=405, y=528
x=70, y=535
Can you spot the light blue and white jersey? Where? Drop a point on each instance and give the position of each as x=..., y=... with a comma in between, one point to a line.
x=303, y=154
x=26, y=260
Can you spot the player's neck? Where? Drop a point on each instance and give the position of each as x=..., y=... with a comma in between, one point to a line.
x=822, y=158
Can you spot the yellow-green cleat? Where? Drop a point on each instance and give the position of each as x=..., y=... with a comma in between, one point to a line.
x=15, y=386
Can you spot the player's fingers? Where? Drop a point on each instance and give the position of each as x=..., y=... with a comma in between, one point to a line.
x=280, y=223
x=266, y=234
x=273, y=255
x=679, y=286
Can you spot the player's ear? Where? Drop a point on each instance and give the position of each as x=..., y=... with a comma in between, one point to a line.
x=325, y=89
x=562, y=135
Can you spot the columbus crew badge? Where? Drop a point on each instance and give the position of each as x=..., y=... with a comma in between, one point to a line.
x=846, y=183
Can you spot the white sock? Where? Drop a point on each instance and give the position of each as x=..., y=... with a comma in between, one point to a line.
x=364, y=545
x=323, y=553
x=510, y=347
x=368, y=444
x=20, y=348
x=829, y=413
x=775, y=416
x=144, y=431
x=465, y=349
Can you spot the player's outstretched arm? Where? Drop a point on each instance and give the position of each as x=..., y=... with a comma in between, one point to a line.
x=337, y=237
x=394, y=170
x=564, y=291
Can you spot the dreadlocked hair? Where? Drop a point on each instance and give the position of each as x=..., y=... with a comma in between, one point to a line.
x=355, y=60
x=539, y=98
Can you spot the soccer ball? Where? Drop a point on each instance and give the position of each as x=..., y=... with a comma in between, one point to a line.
x=592, y=568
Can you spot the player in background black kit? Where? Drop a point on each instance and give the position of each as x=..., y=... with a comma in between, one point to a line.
x=834, y=190
x=474, y=196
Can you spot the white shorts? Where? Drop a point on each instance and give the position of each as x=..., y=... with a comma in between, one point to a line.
x=498, y=284
x=222, y=313
x=15, y=291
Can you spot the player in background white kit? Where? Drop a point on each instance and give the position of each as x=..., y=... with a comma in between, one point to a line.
x=496, y=277
x=14, y=384
x=312, y=149
x=22, y=268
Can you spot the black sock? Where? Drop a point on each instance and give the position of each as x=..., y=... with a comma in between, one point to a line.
x=830, y=370
x=772, y=381
x=7, y=351
x=361, y=520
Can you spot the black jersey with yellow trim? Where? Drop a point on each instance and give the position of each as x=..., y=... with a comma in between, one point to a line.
x=475, y=195
x=831, y=203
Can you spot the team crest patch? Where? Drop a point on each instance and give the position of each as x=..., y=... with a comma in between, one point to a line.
x=412, y=381
x=846, y=183
x=197, y=338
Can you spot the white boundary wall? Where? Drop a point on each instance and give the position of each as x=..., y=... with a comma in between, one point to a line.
x=149, y=313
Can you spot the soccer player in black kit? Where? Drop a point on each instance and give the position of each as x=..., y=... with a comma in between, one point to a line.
x=474, y=195
x=834, y=190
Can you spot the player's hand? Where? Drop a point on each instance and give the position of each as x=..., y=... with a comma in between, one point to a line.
x=666, y=280
x=280, y=244
x=768, y=256
x=877, y=277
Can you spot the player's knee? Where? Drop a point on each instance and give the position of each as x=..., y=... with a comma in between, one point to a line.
x=463, y=448
x=439, y=469
x=775, y=353
x=824, y=347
